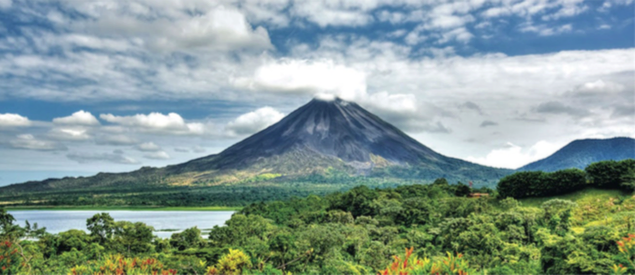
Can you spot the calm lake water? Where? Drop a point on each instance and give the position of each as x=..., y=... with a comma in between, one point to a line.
x=63, y=220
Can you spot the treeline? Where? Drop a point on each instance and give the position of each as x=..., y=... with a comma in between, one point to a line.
x=604, y=174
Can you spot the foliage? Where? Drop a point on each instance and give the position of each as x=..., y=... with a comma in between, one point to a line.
x=118, y=264
x=603, y=174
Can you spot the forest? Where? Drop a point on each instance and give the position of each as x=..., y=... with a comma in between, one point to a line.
x=437, y=228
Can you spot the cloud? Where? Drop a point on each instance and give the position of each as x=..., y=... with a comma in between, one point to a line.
x=115, y=139
x=334, y=13
x=555, y=107
x=471, y=106
x=513, y=156
x=115, y=157
x=13, y=120
x=181, y=150
x=78, y=118
x=198, y=149
x=29, y=142
x=70, y=134
x=171, y=123
x=253, y=122
x=546, y=30
x=211, y=28
x=624, y=110
x=148, y=147
x=292, y=76
x=160, y=155
x=487, y=123
x=5, y=4
x=598, y=87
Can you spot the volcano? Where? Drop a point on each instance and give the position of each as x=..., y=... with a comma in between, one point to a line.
x=334, y=133
x=323, y=137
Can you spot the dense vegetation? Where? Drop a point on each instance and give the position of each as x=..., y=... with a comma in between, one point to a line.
x=415, y=229
x=603, y=174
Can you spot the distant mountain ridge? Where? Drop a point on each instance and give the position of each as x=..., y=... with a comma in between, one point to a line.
x=580, y=153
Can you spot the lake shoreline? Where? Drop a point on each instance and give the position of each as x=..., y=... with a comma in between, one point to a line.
x=121, y=208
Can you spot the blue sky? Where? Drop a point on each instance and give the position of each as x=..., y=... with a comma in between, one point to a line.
x=89, y=86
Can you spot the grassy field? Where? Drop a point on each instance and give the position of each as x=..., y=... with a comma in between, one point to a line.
x=177, y=208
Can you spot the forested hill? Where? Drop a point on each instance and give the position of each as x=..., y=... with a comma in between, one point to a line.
x=580, y=153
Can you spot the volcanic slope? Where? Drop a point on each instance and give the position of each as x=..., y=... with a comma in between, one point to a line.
x=323, y=137
x=580, y=153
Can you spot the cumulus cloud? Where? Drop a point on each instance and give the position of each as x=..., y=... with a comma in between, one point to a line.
x=253, y=122
x=171, y=123
x=513, y=156
x=29, y=142
x=78, y=118
x=160, y=155
x=13, y=120
x=148, y=147
x=306, y=77
x=114, y=157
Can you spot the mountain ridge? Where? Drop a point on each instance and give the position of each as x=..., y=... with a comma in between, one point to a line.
x=582, y=152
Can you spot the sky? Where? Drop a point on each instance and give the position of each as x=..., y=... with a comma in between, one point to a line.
x=89, y=86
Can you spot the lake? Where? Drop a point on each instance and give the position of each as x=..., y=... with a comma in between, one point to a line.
x=165, y=223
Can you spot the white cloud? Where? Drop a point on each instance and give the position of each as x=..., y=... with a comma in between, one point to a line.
x=600, y=87
x=170, y=26
x=514, y=156
x=160, y=155
x=71, y=134
x=78, y=118
x=13, y=120
x=29, y=142
x=171, y=123
x=148, y=147
x=546, y=30
x=307, y=77
x=114, y=157
x=5, y=4
x=115, y=139
x=334, y=13
x=253, y=122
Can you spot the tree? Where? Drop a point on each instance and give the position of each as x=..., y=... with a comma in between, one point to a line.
x=134, y=237
x=462, y=190
x=520, y=184
x=610, y=173
x=189, y=238
x=101, y=227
